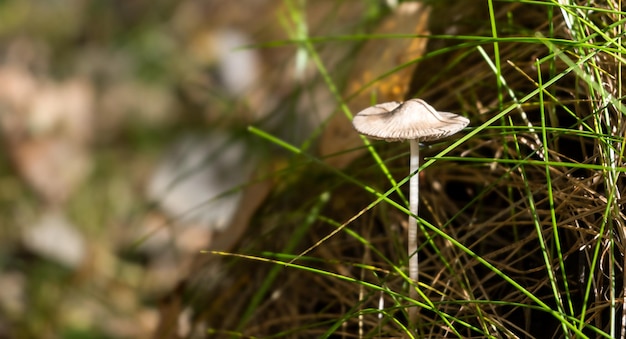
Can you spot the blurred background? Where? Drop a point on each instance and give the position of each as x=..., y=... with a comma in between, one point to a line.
x=126, y=150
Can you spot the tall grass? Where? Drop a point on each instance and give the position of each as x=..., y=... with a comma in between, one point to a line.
x=523, y=230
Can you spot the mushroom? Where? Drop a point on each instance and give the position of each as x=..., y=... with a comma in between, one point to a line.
x=413, y=120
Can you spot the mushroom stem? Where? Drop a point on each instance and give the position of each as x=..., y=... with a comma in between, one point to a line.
x=412, y=226
x=411, y=120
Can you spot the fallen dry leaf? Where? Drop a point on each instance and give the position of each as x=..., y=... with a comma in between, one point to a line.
x=377, y=57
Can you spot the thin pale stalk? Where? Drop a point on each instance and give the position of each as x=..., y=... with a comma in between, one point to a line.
x=412, y=226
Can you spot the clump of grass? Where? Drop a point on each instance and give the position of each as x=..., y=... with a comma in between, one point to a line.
x=523, y=230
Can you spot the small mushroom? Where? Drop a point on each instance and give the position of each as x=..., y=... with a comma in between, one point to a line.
x=413, y=120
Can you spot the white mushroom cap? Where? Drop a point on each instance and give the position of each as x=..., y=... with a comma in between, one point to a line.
x=409, y=120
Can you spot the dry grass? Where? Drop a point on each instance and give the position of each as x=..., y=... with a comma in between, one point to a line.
x=505, y=184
